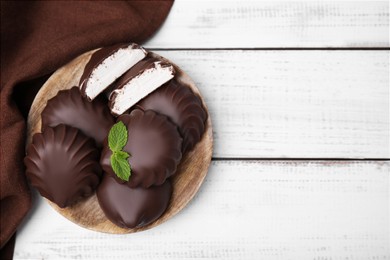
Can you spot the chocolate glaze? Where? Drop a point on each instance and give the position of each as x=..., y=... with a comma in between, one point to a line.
x=97, y=58
x=182, y=106
x=63, y=164
x=147, y=63
x=69, y=107
x=132, y=207
x=155, y=147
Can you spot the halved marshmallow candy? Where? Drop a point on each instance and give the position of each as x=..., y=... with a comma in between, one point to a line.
x=141, y=80
x=106, y=65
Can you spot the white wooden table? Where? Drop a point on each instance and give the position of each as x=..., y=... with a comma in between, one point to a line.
x=298, y=93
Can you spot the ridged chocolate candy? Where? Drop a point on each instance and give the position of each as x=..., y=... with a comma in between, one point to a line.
x=183, y=107
x=63, y=164
x=70, y=108
x=132, y=207
x=154, y=145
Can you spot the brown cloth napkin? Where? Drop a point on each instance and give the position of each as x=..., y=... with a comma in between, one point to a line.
x=37, y=37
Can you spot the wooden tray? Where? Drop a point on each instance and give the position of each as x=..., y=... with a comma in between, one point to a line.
x=186, y=182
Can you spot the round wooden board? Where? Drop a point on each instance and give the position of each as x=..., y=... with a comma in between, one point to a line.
x=186, y=182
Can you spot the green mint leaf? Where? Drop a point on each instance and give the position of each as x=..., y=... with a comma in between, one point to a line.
x=122, y=154
x=117, y=137
x=120, y=166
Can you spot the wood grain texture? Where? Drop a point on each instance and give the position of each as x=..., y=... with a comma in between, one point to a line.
x=244, y=210
x=186, y=181
x=274, y=24
x=294, y=104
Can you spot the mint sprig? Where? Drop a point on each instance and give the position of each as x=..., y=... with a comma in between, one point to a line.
x=117, y=139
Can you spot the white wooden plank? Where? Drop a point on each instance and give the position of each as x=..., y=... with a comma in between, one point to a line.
x=275, y=24
x=244, y=210
x=296, y=104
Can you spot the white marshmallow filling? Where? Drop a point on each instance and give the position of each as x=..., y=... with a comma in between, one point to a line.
x=112, y=68
x=139, y=87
